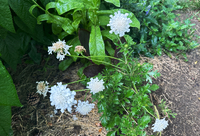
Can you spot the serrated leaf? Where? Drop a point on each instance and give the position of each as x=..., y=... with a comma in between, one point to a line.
x=65, y=64
x=154, y=87
x=6, y=16
x=8, y=93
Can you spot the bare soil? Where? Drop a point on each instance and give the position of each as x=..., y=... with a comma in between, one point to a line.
x=179, y=87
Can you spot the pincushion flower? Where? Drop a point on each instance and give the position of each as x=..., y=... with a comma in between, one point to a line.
x=96, y=85
x=62, y=97
x=160, y=125
x=42, y=87
x=60, y=48
x=119, y=23
x=84, y=107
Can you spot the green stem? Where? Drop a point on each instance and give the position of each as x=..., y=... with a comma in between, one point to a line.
x=76, y=81
x=96, y=60
x=81, y=90
x=149, y=112
x=135, y=87
x=39, y=6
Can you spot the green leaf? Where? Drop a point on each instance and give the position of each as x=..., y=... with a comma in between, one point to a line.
x=5, y=120
x=154, y=87
x=34, y=55
x=65, y=23
x=10, y=49
x=6, y=16
x=129, y=94
x=65, y=64
x=115, y=2
x=143, y=122
x=67, y=5
x=56, y=29
x=112, y=36
x=51, y=5
x=111, y=133
x=21, y=8
x=104, y=20
x=109, y=49
x=31, y=10
x=96, y=43
x=8, y=93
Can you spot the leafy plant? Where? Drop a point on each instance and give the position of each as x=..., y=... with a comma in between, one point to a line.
x=166, y=110
x=67, y=17
x=159, y=31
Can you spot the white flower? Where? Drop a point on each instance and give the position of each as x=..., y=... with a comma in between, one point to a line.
x=160, y=125
x=42, y=87
x=60, y=48
x=62, y=97
x=96, y=85
x=119, y=23
x=74, y=117
x=84, y=107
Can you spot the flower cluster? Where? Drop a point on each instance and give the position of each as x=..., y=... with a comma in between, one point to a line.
x=96, y=85
x=84, y=107
x=42, y=87
x=62, y=97
x=119, y=23
x=160, y=125
x=60, y=48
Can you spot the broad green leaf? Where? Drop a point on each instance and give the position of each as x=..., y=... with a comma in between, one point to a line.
x=3, y=32
x=67, y=5
x=51, y=5
x=6, y=16
x=115, y=2
x=104, y=20
x=109, y=49
x=64, y=22
x=65, y=64
x=154, y=87
x=56, y=29
x=110, y=36
x=45, y=2
x=5, y=120
x=34, y=55
x=21, y=8
x=96, y=43
x=10, y=49
x=37, y=34
x=8, y=93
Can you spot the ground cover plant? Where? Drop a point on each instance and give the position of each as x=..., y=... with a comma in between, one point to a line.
x=113, y=35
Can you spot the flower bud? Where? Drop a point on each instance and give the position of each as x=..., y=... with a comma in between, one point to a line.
x=126, y=46
x=102, y=96
x=79, y=49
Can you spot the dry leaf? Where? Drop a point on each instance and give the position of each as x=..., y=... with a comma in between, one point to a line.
x=100, y=130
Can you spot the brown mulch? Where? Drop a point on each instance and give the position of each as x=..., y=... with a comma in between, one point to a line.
x=179, y=87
